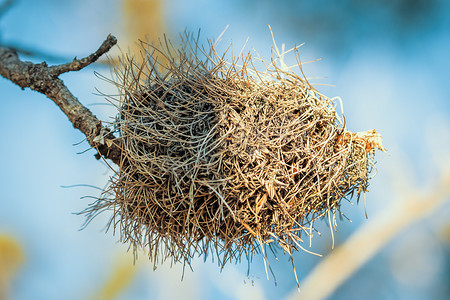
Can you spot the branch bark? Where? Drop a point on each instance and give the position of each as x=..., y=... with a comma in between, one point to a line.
x=44, y=79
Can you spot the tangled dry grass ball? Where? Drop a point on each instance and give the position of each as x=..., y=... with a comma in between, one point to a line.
x=220, y=158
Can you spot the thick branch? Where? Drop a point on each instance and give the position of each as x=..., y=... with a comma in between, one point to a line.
x=44, y=79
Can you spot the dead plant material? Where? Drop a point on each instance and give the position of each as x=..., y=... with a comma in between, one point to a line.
x=221, y=158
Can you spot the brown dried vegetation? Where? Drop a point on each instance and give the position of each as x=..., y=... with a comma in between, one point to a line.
x=221, y=158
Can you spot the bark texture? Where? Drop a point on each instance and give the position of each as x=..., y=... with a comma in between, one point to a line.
x=45, y=80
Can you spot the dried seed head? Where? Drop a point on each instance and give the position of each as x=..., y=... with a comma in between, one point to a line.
x=220, y=157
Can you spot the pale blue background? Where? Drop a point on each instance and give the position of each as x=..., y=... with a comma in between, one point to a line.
x=389, y=63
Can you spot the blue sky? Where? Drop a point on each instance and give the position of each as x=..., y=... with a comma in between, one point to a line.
x=390, y=78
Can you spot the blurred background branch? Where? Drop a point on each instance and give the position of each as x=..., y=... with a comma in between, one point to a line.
x=5, y=6
x=12, y=257
x=362, y=245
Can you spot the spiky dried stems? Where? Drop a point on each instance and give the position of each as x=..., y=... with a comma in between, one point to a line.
x=45, y=80
x=369, y=239
x=220, y=157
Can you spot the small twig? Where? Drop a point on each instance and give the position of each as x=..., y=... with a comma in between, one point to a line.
x=44, y=79
x=78, y=64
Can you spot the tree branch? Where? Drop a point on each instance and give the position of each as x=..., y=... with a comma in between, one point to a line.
x=78, y=64
x=44, y=79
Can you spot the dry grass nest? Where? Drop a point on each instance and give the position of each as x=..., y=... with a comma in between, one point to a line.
x=222, y=159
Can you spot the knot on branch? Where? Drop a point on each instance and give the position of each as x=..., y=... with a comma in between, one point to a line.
x=102, y=137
